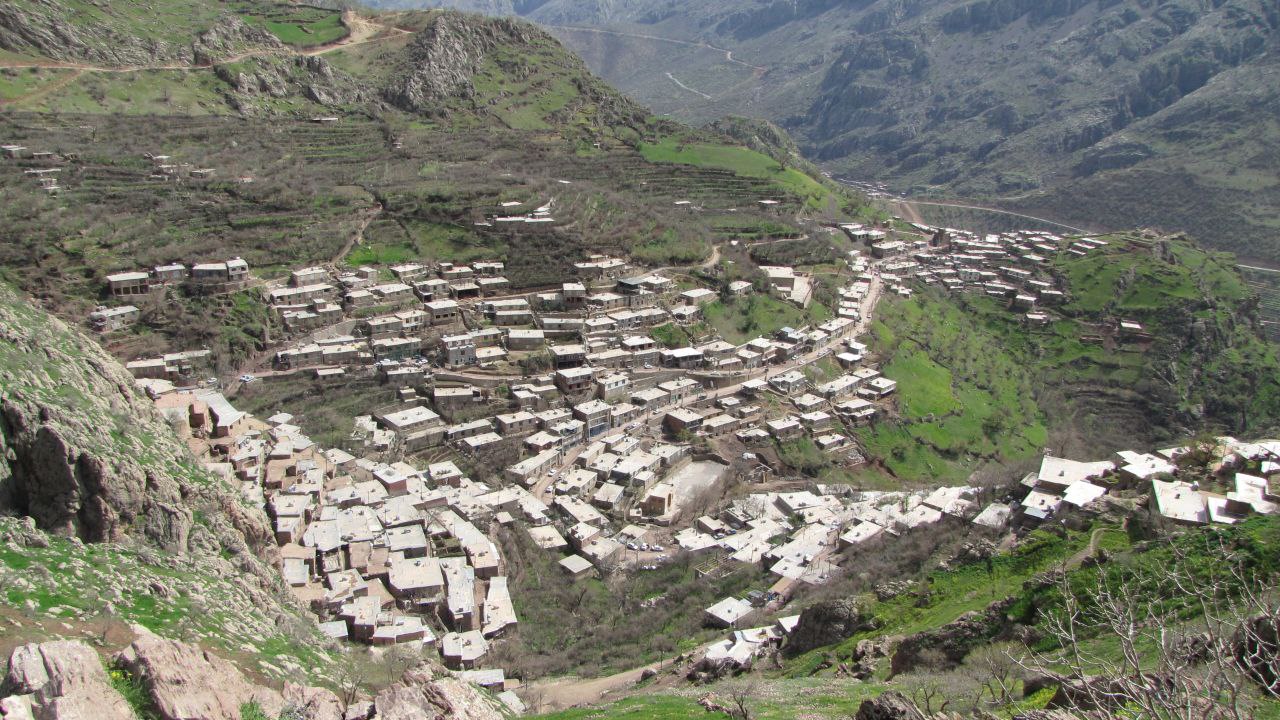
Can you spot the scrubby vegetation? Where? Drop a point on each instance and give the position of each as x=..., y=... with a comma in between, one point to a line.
x=596, y=627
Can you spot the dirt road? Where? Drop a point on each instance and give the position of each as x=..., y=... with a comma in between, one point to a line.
x=360, y=30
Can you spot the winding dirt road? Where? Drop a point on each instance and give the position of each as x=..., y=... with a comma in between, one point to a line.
x=360, y=30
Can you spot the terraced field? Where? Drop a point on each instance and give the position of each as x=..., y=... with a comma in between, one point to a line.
x=287, y=192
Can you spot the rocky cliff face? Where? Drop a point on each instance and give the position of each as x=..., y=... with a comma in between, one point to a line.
x=40, y=27
x=444, y=56
x=86, y=455
x=66, y=680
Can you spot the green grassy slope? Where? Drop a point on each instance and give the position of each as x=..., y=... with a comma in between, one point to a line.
x=976, y=384
x=812, y=685
x=964, y=401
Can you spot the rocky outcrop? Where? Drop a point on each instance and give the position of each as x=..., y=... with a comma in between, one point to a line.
x=231, y=36
x=826, y=623
x=86, y=455
x=39, y=27
x=445, y=55
x=953, y=640
x=66, y=680
x=43, y=27
x=420, y=695
x=867, y=655
x=892, y=705
x=62, y=680
x=185, y=682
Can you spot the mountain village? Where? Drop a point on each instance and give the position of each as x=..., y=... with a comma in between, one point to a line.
x=607, y=447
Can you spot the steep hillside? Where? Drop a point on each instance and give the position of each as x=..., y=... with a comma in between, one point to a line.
x=1076, y=110
x=172, y=547
x=948, y=643
x=116, y=542
x=978, y=385
x=438, y=119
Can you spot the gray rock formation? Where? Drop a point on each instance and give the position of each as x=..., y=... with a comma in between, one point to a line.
x=40, y=27
x=184, y=681
x=444, y=56
x=228, y=37
x=892, y=705
x=62, y=680
x=420, y=694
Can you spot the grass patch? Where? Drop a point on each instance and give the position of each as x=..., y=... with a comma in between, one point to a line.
x=741, y=319
x=302, y=27
x=738, y=160
x=133, y=691
x=964, y=400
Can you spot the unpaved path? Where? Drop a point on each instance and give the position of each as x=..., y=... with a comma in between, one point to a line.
x=357, y=238
x=360, y=30
x=565, y=692
x=686, y=88
x=45, y=89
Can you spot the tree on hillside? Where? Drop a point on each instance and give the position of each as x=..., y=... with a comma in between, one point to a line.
x=1189, y=640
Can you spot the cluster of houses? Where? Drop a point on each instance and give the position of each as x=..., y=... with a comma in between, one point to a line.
x=1245, y=480
x=165, y=169
x=378, y=550
x=44, y=168
x=204, y=278
x=1009, y=267
x=793, y=535
x=201, y=278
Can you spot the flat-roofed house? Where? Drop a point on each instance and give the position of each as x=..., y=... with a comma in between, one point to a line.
x=129, y=283
x=106, y=320
x=728, y=613
x=443, y=312
x=575, y=379
x=416, y=579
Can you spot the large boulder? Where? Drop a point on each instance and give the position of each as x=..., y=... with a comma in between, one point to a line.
x=187, y=683
x=313, y=703
x=62, y=680
x=420, y=695
x=826, y=623
x=892, y=705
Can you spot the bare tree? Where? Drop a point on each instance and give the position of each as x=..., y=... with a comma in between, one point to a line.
x=995, y=673
x=741, y=697
x=351, y=681
x=1212, y=667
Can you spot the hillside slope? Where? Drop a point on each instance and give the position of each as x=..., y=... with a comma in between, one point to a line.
x=979, y=387
x=438, y=119
x=89, y=459
x=1077, y=110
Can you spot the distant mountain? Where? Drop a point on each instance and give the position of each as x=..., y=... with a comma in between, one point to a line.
x=1105, y=114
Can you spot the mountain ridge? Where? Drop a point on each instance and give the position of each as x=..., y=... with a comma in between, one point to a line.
x=1057, y=104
